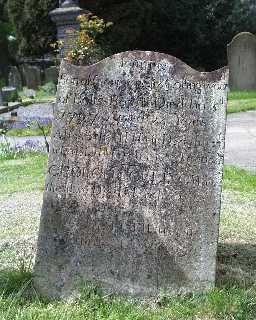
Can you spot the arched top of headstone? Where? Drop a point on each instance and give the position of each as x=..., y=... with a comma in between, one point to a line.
x=242, y=36
x=242, y=62
x=175, y=65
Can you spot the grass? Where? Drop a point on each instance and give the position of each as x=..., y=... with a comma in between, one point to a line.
x=242, y=95
x=29, y=132
x=241, y=101
x=24, y=174
x=234, y=297
x=45, y=92
x=19, y=301
x=239, y=180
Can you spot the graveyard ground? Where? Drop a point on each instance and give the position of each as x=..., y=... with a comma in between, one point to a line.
x=233, y=299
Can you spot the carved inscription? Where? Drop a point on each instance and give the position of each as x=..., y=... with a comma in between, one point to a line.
x=135, y=170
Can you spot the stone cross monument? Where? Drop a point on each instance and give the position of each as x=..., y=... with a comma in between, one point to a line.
x=65, y=19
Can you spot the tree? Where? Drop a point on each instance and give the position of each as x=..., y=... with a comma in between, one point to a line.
x=5, y=32
x=33, y=27
x=196, y=31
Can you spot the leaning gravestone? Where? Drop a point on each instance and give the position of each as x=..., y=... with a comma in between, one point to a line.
x=132, y=196
x=14, y=78
x=242, y=62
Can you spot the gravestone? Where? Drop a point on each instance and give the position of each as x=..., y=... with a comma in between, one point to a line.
x=51, y=74
x=31, y=76
x=132, y=194
x=14, y=78
x=242, y=62
x=10, y=94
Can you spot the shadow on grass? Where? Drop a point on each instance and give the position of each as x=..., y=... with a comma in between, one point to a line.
x=13, y=281
x=236, y=265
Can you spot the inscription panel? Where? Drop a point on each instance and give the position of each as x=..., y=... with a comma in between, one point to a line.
x=132, y=194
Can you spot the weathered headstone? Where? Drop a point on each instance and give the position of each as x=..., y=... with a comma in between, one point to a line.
x=51, y=74
x=133, y=188
x=31, y=76
x=10, y=94
x=14, y=78
x=242, y=62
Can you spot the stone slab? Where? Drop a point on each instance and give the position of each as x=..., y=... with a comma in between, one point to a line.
x=132, y=194
x=51, y=74
x=31, y=76
x=242, y=62
x=14, y=78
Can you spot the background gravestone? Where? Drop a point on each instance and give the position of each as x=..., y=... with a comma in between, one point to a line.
x=10, y=94
x=51, y=74
x=242, y=62
x=31, y=76
x=132, y=195
x=14, y=78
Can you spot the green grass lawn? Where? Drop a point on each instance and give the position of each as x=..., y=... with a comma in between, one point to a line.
x=23, y=174
x=234, y=297
x=241, y=101
x=30, y=132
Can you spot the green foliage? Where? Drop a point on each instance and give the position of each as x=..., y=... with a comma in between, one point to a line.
x=83, y=48
x=44, y=93
x=29, y=132
x=7, y=152
x=195, y=31
x=48, y=89
x=34, y=29
x=6, y=29
x=2, y=82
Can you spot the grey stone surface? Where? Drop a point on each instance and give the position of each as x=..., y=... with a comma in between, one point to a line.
x=14, y=78
x=51, y=74
x=132, y=194
x=10, y=94
x=31, y=76
x=242, y=62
